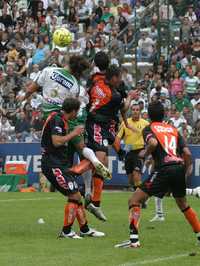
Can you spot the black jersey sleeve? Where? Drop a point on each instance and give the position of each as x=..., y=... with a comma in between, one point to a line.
x=56, y=125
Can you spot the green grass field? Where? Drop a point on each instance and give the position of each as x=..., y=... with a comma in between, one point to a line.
x=24, y=242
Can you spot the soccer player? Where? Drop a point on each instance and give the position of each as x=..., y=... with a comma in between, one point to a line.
x=58, y=84
x=133, y=138
x=56, y=161
x=104, y=106
x=173, y=163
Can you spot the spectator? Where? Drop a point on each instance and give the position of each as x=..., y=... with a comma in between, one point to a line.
x=159, y=89
x=177, y=120
x=181, y=102
x=22, y=127
x=191, y=84
x=127, y=78
x=196, y=112
x=191, y=15
x=35, y=72
x=89, y=52
x=75, y=49
x=196, y=99
x=145, y=47
x=6, y=19
x=176, y=84
x=39, y=55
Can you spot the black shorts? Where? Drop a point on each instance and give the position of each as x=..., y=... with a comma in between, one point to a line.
x=168, y=178
x=133, y=162
x=100, y=135
x=59, y=177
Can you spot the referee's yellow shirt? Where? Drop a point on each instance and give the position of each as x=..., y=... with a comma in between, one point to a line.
x=133, y=139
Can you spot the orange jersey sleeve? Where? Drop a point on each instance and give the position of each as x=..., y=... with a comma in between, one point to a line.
x=100, y=95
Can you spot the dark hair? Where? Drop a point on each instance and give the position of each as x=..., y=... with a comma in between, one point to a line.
x=156, y=111
x=101, y=60
x=78, y=64
x=70, y=104
x=113, y=70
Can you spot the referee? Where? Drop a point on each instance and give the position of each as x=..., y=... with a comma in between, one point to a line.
x=133, y=138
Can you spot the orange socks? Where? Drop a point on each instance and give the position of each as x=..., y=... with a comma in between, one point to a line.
x=81, y=215
x=134, y=216
x=97, y=190
x=134, y=219
x=82, y=167
x=70, y=213
x=74, y=210
x=192, y=218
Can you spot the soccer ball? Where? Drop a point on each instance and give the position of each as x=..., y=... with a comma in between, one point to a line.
x=62, y=37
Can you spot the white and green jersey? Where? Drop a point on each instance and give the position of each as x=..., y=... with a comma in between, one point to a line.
x=57, y=84
x=191, y=84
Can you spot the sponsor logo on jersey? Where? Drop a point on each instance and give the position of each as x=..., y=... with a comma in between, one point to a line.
x=63, y=81
x=161, y=129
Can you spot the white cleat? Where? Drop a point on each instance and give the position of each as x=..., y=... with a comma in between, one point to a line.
x=97, y=211
x=157, y=218
x=196, y=192
x=92, y=233
x=128, y=244
x=102, y=170
x=72, y=235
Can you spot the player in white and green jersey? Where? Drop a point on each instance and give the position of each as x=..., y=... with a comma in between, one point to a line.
x=57, y=85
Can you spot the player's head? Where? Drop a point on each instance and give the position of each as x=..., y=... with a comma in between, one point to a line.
x=78, y=65
x=113, y=76
x=156, y=111
x=101, y=60
x=71, y=107
x=135, y=108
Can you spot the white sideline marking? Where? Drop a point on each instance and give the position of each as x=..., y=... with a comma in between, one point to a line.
x=154, y=260
x=31, y=199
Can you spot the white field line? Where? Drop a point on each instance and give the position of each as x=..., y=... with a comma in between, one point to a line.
x=30, y=199
x=143, y=262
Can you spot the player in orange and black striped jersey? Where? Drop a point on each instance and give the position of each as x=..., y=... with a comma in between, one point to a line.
x=55, y=165
x=106, y=100
x=173, y=163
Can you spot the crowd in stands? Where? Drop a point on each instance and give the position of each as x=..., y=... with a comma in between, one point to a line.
x=26, y=47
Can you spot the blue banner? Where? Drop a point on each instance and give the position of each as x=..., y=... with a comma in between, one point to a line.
x=30, y=152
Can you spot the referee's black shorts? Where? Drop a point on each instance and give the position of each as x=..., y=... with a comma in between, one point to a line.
x=133, y=162
x=168, y=178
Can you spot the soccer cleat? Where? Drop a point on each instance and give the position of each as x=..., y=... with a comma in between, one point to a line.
x=102, y=171
x=98, y=213
x=196, y=192
x=72, y=234
x=128, y=244
x=198, y=239
x=157, y=218
x=92, y=233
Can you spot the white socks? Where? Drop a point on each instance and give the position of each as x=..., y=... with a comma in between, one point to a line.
x=87, y=178
x=159, y=206
x=90, y=155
